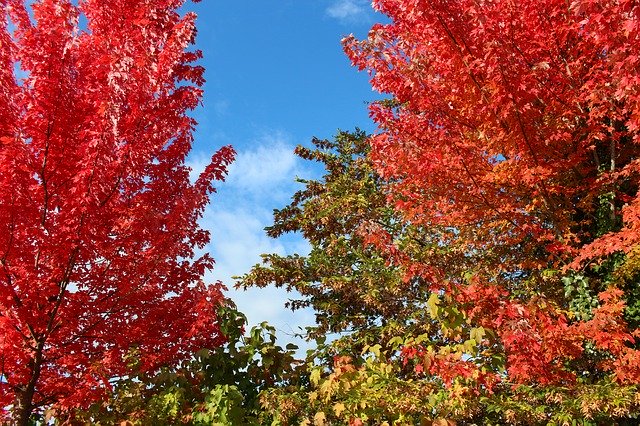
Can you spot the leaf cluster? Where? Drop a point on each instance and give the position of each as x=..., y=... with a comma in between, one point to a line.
x=217, y=386
x=427, y=359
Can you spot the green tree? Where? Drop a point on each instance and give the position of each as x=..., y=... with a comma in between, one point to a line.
x=349, y=284
x=392, y=335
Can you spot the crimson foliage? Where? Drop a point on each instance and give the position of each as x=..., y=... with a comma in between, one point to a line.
x=98, y=216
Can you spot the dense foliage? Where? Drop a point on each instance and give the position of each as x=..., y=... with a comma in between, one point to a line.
x=476, y=261
x=514, y=130
x=349, y=284
x=402, y=352
x=218, y=386
x=508, y=153
x=98, y=217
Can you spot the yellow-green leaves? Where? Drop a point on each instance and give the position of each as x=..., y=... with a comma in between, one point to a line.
x=432, y=304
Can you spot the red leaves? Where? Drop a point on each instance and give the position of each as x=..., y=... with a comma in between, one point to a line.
x=98, y=217
x=514, y=127
x=608, y=331
x=463, y=110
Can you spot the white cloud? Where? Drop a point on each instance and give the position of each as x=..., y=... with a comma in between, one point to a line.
x=349, y=10
x=269, y=165
x=238, y=239
x=261, y=179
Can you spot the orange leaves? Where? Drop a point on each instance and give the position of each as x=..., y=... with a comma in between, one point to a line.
x=433, y=131
x=608, y=331
x=513, y=130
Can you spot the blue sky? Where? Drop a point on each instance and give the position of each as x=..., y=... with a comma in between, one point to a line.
x=276, y=76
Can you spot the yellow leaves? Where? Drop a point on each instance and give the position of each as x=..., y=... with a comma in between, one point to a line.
x=432, y=304
x=338, y=408
x=315, y=376
x=375, y=350
x=475, y=338
x=319, y=419
x=469, y=346
x=477, y=333
x=396, y=342
x=327, y=387
x=346, y=385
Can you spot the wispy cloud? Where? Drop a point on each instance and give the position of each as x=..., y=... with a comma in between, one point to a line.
x=269, y=166
x=221, y=107
x=261, y=179
x=349, y=10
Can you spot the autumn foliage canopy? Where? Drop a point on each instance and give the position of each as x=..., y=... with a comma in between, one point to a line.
x=513, y=134
x=478, y=257
x=98, y=216
x=508, y=154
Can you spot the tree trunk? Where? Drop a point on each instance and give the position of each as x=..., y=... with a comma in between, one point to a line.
x=24, y=402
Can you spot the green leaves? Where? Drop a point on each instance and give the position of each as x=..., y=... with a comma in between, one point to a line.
x=582, y=299
x=348, y=282
x=223, y=406
x=220, y=386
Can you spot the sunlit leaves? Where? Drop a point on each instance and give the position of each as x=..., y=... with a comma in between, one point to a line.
x=506, y=177
x=515, y=125
x=98, y=217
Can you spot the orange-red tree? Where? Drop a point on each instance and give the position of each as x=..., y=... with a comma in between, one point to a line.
x=403, y=352
x=514, y=127
x=98, y=217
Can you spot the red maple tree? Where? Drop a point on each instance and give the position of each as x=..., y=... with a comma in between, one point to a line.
x=514, y=129
x=98, y=217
